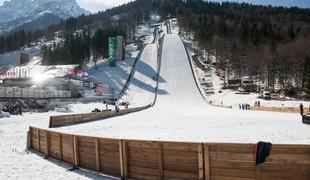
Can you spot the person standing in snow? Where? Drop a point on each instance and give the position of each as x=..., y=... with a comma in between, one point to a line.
x=301, y=107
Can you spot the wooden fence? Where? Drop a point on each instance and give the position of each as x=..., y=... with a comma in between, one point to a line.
x=281, y=109
x=65, y=120
x=131, y=159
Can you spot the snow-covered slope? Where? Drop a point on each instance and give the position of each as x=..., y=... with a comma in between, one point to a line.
x=181, y=114
x=178, y=81
x=15, y=13
x=141, y=91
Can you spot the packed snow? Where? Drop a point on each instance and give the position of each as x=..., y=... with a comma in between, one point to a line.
x=16, y=163
x=181, y=114
x=141, y=91
x=13, y=130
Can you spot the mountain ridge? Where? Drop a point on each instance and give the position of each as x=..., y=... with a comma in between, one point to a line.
x=15, y=13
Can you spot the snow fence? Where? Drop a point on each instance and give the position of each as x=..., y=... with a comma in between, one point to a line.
x=66, y=120
x=281, y=109
x=132, y=159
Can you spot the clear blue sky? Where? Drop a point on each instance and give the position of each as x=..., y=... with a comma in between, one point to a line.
x=97, y=5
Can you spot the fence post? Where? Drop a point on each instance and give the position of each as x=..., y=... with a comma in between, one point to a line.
x=160, y=161
x=60, y=146
x=207, y=161
x=75, y=152
x=97, y=149
x=200, y=161
x=51, y=122
x=123, y=158
x=29, y=139
x=257, y=172
x=46, y=140
x=38, y=139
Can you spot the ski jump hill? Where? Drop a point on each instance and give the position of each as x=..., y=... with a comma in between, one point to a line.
x=196, y=132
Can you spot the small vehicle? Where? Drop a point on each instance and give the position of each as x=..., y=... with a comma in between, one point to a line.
x=266, y=95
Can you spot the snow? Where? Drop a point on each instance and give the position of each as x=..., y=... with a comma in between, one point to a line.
x=181, y=114
x=115, y=77
x=13, y=130
x=18, y=164
x=145, y=33
x=4, y=115
x=228, y=97
x=141, y=91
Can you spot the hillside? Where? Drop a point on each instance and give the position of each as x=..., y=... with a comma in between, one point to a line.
x=15, y=13
x=268, y=44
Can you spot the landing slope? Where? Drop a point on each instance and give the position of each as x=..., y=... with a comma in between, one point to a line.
x=141, y=91
x=177, y=77
x=181, y=114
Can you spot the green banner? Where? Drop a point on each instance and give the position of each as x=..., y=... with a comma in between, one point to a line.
x=112, y=51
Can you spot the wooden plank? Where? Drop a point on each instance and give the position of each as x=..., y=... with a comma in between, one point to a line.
x=258, y=172
x=180, y=146
x=125, y=158
x=283, y=176
x=232, y=148
x=142, y=176
x=231, y=156
x=147, y=155
x=185, y=167
x=289, y=168
x=233, y=173
x=122, y=160
x=290, y=149
x=229, y=178
x=200, y=162
x=185, y=154
x=148, y=171
x=145, y=164
x=179, y=175
x=29, y=140
x=289, y=159
x=46, y=139
x=38, y=140
x=97, y=154
x=60, y=146
x=75, y=151
x=228, y=164
x=142, y=144
x=160, y=162
x=88, y=163
x=207, y=162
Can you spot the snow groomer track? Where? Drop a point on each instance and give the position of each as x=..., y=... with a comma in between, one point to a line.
x=196, y=132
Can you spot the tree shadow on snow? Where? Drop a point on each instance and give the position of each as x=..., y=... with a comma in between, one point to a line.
x=148, y=71
x=147, y=87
